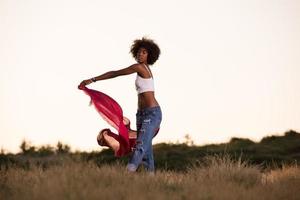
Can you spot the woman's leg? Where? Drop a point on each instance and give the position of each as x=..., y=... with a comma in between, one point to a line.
x=147, y=123
x=148, y=159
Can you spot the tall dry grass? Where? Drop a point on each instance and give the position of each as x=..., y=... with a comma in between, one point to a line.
x=216, y=177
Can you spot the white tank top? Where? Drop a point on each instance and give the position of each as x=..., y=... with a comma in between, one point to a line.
x=144, y=84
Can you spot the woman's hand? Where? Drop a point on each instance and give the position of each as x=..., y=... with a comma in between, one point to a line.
x=84, y=83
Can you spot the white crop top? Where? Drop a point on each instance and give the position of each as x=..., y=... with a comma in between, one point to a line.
x=144, y=84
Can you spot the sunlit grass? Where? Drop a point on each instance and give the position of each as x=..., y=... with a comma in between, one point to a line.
x=214, y=177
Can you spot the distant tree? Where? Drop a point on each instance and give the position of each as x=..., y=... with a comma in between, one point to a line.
x=2, y=152
x=240, y=141
x=62, y=148
x=45, y=150
x=188, y=140
x=292, y=133
x=26, y=148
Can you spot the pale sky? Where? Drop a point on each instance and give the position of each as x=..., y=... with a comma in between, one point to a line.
x=227, y=68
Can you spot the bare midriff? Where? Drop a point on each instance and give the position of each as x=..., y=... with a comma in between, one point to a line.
x=146, y=100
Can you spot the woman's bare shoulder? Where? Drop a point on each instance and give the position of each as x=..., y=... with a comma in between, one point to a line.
x=129, y=70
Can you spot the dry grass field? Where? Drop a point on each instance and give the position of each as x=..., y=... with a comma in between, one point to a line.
x=216, y=177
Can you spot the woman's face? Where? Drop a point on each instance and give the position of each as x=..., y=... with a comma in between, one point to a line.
x=142, y=55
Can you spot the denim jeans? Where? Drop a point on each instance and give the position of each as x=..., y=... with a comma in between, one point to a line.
x=147, y=122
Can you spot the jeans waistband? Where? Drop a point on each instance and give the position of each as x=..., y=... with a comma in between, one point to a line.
x=148, y=109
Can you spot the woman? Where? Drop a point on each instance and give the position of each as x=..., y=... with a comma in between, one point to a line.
x=148, y=115
x=109, y=139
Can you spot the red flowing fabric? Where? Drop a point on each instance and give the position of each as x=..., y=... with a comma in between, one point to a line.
x=111, y=112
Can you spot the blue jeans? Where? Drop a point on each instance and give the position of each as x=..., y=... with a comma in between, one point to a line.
x=147, y=122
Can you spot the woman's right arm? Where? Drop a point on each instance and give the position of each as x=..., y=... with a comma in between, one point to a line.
x=112, y=74
x=107, y=75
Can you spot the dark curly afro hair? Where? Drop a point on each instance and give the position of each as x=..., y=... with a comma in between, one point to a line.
x=151, y=47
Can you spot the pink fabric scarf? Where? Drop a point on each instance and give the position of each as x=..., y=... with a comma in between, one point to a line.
x=112, y=113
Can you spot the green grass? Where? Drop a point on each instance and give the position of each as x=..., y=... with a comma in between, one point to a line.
x=270, y=152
